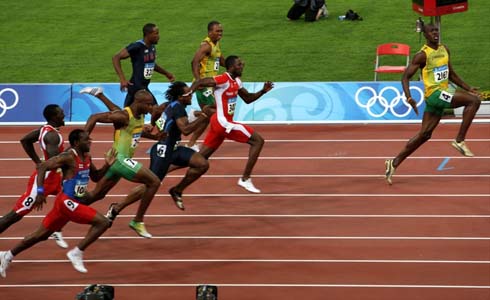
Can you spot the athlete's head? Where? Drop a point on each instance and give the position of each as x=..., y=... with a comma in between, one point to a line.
x=431, y=33
x=176, y=91
x=143, y=102
x=215, y=31
x=151, y=33
x=234, y=65
x=54, y=115
x=80, y=140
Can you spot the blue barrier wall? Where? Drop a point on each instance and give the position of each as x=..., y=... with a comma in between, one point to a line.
x=287, y=102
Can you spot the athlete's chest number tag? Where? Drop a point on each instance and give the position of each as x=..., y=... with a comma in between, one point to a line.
x=231, y=106
x=80, y=189
x=135, y=140
x=441, y=73
x=148, y=70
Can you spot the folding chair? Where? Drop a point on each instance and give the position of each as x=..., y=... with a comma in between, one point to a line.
x=391, y=49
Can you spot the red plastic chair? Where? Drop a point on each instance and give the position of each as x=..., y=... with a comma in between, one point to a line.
x=391, y=49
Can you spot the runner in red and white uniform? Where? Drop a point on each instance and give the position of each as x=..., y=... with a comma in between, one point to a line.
x=78, y=169
x=51, y=144
x=228, y=87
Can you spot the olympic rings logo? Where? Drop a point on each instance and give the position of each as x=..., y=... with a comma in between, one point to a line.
x=377, y=105
x=3, y=104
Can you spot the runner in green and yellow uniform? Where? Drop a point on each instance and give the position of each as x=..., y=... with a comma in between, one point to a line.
x=206, y=62
x=128, y=129
x=437, y=72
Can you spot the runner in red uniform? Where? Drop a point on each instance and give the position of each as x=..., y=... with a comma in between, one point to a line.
x=77, y=168
x=51, y=143
x=227, y=87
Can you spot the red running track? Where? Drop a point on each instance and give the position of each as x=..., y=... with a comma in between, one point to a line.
x=326, y=226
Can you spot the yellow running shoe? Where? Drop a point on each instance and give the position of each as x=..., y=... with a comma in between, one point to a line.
x=390, y=170
x=461, y=147
x=140, y=229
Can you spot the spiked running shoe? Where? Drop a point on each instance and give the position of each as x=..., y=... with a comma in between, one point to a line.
x=390, y=170
x=462, y=148
x=140, y=229
x=111, y=213
x=177, y=197
x=5, y=261
x=76, y=259
x=94, y=91
x=58, y=238
x=248, y=185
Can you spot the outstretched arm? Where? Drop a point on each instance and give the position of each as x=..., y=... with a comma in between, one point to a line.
x=118, y=118
x=251, y=97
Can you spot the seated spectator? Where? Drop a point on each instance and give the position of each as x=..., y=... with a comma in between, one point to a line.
x=312, y=9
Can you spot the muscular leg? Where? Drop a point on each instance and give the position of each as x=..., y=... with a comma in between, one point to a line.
x=135, y=195
x=100, y=191
x=99, y=226
x=256, y=143
x=471, y=104
x=152, y=183
x=198, y=165
x=7, y=220
x=37, y=236
x=429, y=123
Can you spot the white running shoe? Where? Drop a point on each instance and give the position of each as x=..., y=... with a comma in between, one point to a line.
x=58, y=238
x=76, y=260
x=94, y=91
x=4, y=263
x=248, y=185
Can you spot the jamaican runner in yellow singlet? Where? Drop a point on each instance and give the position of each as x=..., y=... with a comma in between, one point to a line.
x=128, y=128
x=437, y=72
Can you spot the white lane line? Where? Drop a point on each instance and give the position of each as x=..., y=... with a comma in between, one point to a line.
x=315, y=176
x=367, y=261
x=249, y=285
x=305, y=195
x=293, y=216
x=168, y=237
x=295, y=158
x=296, y=141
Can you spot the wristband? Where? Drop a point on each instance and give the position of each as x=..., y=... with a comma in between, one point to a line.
x=40, y=190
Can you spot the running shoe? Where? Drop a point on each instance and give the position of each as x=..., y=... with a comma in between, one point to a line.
x=390, y=170
x=177, y=197
x=58, y=238
x=462, y=148
x=76, y=259
x=5, y=261
x=111, y=213
x=140, y=229
x=94, y=91
x=248, y=185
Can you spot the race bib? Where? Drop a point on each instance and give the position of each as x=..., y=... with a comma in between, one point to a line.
x=135, y=140
x=130, y=162
x=161, y=148
x=28, y=202
x=148, y=70
x=160, y=123
x=446, y=97
x=441, y=73
x=71, y=205
x=231, y=106
x=80, y=189
x=216, y=64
